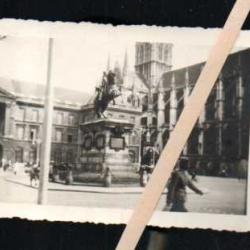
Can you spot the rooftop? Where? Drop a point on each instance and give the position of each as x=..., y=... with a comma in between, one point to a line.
x=179, y=76
x=27, y=91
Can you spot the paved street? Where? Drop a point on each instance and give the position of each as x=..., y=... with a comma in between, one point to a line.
x=222, y=195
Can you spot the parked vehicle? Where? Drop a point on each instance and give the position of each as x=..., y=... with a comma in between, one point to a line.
x=61, y=172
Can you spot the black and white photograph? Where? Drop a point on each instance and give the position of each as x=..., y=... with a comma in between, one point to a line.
x=83, y=121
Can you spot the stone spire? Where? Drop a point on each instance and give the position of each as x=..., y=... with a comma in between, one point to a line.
x=125, y=65
x=118, y=73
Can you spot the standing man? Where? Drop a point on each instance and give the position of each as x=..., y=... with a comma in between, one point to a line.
x=3, y=162
x=177, y=194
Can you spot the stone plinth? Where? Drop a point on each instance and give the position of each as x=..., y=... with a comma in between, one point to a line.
x=105, y=153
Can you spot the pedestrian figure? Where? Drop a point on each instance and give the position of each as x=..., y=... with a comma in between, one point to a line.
x=16, y=168
x=3, y=162
x=148, y=163
x=148, y=157
x=6, y=164
x=177, y=195
x=34, y=174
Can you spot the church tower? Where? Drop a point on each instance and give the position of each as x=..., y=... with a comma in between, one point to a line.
x=152, y=60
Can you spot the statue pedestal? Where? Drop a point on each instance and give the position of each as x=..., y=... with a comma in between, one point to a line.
x=105, y=154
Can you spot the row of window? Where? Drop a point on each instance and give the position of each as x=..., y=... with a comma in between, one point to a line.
x=32, y=115
x=36, y=115
x=33, y=134
x=71, y=136
x=19, y=155
x=59, y=156
x=145, y=52
x=62, y=116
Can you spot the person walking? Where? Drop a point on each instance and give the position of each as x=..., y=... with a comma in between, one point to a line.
x=177, y=194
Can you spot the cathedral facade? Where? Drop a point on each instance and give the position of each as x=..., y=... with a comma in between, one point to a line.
x=221, y=133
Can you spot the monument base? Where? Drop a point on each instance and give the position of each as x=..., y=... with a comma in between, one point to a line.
x=105, y=153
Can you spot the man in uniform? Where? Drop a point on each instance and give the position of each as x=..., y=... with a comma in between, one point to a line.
x=177, y=195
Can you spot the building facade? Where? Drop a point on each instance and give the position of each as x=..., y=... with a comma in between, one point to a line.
x=22, y=115
x=221, y=133
x=153, y=96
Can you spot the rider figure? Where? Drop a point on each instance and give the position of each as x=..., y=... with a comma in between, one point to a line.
x=104, y=85
x=108, y=83
x=111, y=79
x=105, y=93
x=111, y=85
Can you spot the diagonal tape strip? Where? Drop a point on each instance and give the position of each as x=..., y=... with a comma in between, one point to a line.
x=184, y=126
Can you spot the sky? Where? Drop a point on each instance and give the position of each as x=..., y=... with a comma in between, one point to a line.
x=78, y=63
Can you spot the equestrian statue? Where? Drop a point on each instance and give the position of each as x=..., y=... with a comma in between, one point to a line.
x=105, y=93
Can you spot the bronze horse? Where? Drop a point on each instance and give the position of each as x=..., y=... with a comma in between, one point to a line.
x=106, y=93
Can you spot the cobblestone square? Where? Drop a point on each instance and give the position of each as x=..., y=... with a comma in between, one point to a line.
x=222, y=195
